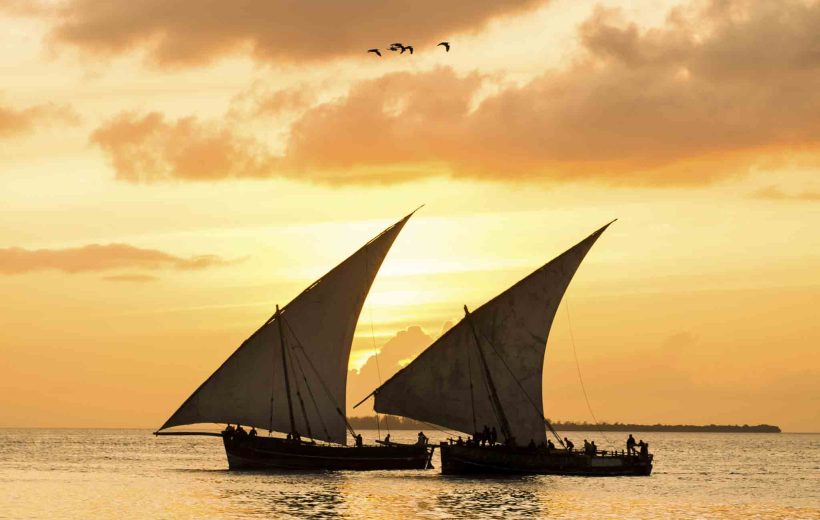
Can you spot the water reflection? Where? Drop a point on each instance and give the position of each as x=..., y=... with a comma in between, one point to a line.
x=266, y=495
x=497, y=498
x=118, y=474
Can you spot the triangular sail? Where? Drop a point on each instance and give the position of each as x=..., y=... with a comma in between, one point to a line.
x=317, y=327
x=448, y=384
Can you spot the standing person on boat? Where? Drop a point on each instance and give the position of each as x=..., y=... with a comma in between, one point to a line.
x=422, y=439
x=359, y=442
x=644, y=448
x=568, y=443
x=630, y=445
x=593, y=448
x=253, y=432
x=493, y=436
x=387, y=439
x=485, y=435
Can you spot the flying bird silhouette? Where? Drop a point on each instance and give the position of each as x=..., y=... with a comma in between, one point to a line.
x=446, y=46
x=397, y=46
x=375, y=51
x=407, y=48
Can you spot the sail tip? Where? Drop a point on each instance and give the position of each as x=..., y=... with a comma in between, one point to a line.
x=414, y=211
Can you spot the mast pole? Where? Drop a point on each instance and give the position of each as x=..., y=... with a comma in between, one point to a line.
x=496, y=402
x=285, y=368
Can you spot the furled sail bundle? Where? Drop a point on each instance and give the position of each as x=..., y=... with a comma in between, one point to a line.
x=487, y=369
x=301, y=387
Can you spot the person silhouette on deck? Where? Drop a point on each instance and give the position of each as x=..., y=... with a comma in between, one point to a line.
x=630, y=445
x=568, y=443
x=550, y=445
x=460, y=441
x=387, y=438
x=359, y=442
x=253, y=431
x=422, y=439
x=229, y=430
x=240, y=431
x=644, y=448
x=493, y=436
x=593, y=449
x=485, y=435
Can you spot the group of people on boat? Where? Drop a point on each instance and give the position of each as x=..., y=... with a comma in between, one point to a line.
x=239, y=432
x=643, y=447
x=486, y=437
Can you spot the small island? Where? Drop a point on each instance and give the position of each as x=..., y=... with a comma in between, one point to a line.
x=402, y=423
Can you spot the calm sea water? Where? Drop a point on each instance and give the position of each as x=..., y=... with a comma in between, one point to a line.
x=104, y=474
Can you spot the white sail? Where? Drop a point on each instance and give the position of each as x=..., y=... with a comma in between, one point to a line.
x=317, y=326
x=447, y=383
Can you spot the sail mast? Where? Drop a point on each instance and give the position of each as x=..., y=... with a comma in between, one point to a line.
x=285, y=369
x=496, y=402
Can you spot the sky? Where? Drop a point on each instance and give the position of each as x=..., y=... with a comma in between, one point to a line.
x=171, y=172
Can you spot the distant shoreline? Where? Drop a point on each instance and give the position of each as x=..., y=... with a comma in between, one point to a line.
x=401, y=423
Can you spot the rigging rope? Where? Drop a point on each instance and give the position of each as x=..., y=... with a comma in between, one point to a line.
x=521, y=387
x=472, y=397
x=312, y=397
x=578, y=368
x=376, y=355
x=294, y=367
x=321, y=381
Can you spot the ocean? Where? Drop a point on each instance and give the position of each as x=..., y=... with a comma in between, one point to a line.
x=117, y=474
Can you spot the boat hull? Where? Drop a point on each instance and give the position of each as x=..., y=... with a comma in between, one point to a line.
x=496, y=460
x=260, y=453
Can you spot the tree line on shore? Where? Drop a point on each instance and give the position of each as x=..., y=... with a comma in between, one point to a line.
x=403, y=423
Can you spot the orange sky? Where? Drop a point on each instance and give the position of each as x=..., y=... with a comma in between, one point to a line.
x=169, y=173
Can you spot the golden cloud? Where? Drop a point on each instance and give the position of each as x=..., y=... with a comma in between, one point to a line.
x=147, y=148
x=14, y=122
x=99, y=257
x=190, y=32
x=775, y=193
x=721, y=86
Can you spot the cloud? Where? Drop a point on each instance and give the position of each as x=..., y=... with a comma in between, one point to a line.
x=23, y=8
x=720, y=87
x=98, y=257
x=190, y=32
x=131, y=278
x=774, y=193
x=148, y=148
x=405, y=345
x=15, y=122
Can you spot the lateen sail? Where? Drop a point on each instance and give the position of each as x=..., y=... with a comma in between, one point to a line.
x=447, y=384
x=317, y=326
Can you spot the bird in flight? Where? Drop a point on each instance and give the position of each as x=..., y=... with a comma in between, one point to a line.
x=446, y=46
x=375, y=51
x=407, y=48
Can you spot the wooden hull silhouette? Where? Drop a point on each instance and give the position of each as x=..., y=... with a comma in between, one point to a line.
x=260, y=453
x=496, y=460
